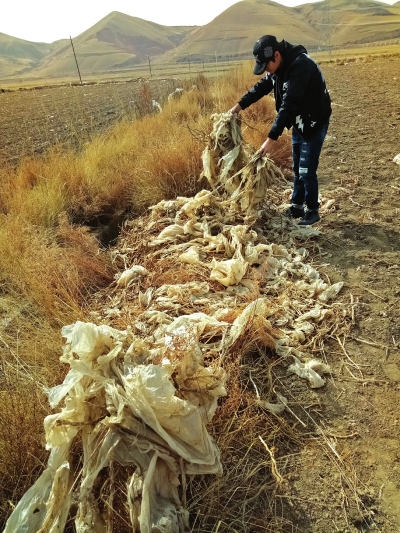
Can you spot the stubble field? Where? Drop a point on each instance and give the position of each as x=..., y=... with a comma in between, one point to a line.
x=355, y=486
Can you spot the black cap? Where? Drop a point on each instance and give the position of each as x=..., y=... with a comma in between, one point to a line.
x=263, y=52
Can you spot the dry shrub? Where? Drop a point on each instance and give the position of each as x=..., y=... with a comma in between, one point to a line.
x=22, y=453
x=40, y=189
x=143, y=102
x=32, y=193
x=161, y=160
x=242, y=499
x=170, y=272
x=135, y=164
x=29, y=361
x=55, y=270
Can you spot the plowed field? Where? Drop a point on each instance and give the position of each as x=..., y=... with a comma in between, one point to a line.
x=31, y=121
x=356, y=486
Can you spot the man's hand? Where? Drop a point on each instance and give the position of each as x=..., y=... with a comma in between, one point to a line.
x=235, y=109
x=266, y=147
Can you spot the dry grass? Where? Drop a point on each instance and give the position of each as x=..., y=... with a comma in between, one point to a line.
x=51, y=263
x=242, y=498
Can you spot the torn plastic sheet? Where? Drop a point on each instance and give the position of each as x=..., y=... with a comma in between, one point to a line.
x=191, y=256
x=242, y=176
x=130, y=275
x=227, y=161
x=229, y=272
x=106, y=394
x=142, y=396
x=310, y=371
x=274, y=408
x=45, y=506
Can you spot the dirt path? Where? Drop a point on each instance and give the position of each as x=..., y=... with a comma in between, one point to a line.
x=349, y=481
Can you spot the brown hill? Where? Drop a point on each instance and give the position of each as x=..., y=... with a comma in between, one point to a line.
x=233, y=32
x=18, y=56
x=120, y=41
x=343, y=22
x=116, y=41
x=330, y=22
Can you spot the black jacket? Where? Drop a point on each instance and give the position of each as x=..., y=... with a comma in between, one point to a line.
x=301, y=97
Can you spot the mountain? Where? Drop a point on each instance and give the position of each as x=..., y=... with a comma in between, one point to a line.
x=344, y=22
x=116, y=41
x=234, y=32
x=120, y=41
x=331, y=22
x=18, y=56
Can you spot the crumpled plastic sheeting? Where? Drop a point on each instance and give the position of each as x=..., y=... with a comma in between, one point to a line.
x=240, y=176
x=127, y=412
x=309, y=371
x=142, y=397
x=274, y=408
x=130, y=275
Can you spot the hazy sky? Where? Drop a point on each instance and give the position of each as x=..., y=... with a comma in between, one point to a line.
x=50, y=20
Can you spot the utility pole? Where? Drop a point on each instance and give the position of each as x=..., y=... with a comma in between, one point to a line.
x=148, y=57
x=76, y=61
x=189, y=60
x=327, y=25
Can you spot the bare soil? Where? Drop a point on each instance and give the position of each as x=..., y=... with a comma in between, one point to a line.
x=33, y=120
x=348, y=479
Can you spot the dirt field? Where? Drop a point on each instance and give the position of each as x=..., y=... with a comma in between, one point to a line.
x=352, y=482
x=348, y=481
x=33, y=120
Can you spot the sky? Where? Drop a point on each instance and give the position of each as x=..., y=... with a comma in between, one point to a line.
x=50, y=20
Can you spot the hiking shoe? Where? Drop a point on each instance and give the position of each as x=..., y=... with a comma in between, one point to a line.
x=294, y=212
x=310, y=218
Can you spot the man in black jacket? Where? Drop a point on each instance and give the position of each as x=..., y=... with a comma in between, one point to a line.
x=302, y=102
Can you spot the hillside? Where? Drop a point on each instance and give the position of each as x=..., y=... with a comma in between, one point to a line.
x=330, y=22
x=116, y=41
x=342, y=22
x=119, y=41
x=18, y=56
x=234, y=31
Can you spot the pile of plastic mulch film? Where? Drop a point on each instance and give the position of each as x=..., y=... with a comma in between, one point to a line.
x=140, y=393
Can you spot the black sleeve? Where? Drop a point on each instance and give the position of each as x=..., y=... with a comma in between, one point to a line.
x=260, y=89
x=298, y=81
